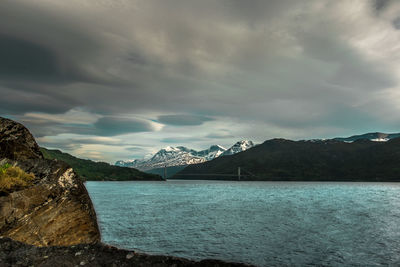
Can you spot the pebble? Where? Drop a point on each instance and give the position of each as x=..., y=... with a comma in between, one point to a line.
x=129, y=256
x=45, y=257
x=82, y=263
x=78, y=253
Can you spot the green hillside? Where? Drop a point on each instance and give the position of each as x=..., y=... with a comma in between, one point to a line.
x=99, y=171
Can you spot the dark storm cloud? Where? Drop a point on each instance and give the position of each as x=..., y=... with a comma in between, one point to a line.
x=19, y=101
x=284, y=64
x=24, y=59
x=164, y=62
x=183, y=120
x=43, y=46
x=111, y=126
x=379, y=5
x=396, y=23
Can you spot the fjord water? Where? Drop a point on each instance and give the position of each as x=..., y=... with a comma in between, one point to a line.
x=263, y=223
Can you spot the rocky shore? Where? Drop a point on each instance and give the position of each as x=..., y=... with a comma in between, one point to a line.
x=13, y=253
x=51, y=221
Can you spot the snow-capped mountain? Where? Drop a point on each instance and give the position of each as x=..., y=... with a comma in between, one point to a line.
x=174, y=156
x=377, y=137
x=213, y=152
x=238, y=147
x=179, y=156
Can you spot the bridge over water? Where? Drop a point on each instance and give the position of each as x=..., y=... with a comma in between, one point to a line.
x=242, y=174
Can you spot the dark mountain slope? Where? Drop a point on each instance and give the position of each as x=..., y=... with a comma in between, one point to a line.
x=330, y=160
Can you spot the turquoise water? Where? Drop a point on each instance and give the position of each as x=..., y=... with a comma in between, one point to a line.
x=263, y=223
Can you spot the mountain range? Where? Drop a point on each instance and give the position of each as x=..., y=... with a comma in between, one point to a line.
x=368, y=157
x=172, y=160
x=183, y=156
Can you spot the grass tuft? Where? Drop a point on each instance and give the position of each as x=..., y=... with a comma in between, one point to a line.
x=13, y=178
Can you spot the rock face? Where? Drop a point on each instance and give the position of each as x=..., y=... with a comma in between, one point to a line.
x=56, y=208
x=16, y=142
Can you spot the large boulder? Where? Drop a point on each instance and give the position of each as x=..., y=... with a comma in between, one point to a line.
x=55, y=209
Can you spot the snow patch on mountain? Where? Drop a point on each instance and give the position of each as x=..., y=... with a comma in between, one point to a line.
x=238, y=147
x=375, y=137
x=380, y=139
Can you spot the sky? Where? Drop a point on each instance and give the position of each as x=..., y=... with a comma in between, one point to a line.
x=120, y=79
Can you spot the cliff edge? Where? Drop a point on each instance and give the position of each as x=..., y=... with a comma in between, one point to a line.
x=55, y=209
